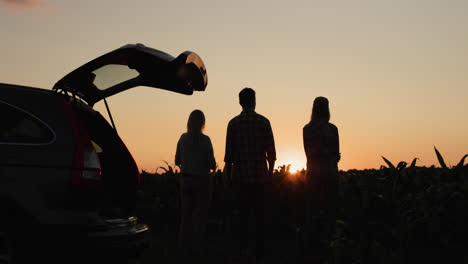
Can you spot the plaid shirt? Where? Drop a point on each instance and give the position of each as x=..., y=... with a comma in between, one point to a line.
x=249, y=144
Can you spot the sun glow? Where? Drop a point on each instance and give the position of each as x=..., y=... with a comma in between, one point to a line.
x=295, y=160
x=294, y=168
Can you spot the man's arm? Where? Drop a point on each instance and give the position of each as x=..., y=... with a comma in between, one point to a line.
x=271, y=150
x=271, y=167
x=228, y=171
x=228, y=155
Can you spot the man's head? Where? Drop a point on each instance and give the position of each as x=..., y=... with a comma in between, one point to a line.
x=247, y=99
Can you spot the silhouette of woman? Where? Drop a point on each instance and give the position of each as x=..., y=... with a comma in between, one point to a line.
x=195, y=157
x=321, y=145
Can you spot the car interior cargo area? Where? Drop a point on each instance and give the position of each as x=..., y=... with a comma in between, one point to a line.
x=120, y=176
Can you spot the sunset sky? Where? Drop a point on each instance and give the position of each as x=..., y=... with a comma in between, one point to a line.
x=395, y=72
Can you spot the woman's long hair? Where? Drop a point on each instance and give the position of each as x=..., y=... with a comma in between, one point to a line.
x=320, y=110
x=195, y=125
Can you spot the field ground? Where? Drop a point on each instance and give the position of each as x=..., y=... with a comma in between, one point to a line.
x=219, y=250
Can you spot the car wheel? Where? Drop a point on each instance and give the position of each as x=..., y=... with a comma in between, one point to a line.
x=6, y=249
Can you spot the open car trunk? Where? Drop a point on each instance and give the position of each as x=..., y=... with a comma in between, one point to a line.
x=120, y=176
x=131, y=66
x=114, y=169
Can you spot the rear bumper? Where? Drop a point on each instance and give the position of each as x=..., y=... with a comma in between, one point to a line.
x=119, y=234
x=109, y=241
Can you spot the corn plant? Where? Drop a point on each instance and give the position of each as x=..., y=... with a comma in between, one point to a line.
x=386, y=215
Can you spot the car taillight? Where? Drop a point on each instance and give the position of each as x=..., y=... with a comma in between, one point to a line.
x=86, y=171
x=91, y=166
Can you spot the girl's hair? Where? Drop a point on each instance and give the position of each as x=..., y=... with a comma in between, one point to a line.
x=320, y=110
x=195, y=125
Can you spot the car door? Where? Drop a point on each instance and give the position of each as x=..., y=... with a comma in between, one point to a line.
x=135, y=65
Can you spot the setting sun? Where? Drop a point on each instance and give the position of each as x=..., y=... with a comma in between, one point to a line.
x=295, y=159
x=294, y=167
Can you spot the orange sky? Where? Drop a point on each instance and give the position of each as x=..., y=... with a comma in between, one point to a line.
x=395, y=72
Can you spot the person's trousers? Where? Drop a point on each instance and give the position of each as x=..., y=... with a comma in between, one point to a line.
x=195, y=199
x=321, y=209
x=252, y=205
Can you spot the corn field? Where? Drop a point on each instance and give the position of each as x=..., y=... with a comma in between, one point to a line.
x=400, y=213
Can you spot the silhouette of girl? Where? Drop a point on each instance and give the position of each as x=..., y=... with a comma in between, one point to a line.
x=195, y=157
x=321, y=145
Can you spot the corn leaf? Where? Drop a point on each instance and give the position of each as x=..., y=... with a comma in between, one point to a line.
x=390, y=165
x=461, y=164
x=401, y=165
x=440, y=158
x=164, y=169
x=413, y=163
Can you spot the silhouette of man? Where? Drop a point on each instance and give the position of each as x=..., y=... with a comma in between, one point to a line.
x=250, y=158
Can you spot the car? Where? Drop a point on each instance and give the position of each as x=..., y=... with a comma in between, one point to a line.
x=67, y=180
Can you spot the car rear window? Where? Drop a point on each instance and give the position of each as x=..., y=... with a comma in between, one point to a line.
x=18, y=126
x=113, y=74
